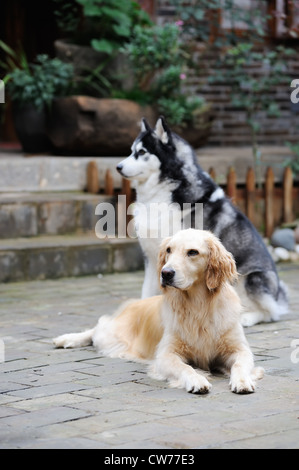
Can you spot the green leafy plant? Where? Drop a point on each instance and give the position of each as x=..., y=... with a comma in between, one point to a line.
x=159, y=62
x=154, y=49
x=40, y=82
x=105, y=25
x=67, y=15
x=201, y=20
x=13, y=59
x=293, y=163
x=112, y=22
x=181, y=111
x=252, y=92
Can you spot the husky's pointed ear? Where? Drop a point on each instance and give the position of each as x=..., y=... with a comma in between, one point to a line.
x=162, y=131
x=145, y=125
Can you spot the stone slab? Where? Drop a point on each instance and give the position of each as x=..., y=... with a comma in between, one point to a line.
x=19, y=172
x=78, y=399
x=48, y=213
x=53, y=257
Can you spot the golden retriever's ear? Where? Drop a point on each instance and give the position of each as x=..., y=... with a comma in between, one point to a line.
x=221, y=265
x=162, y=254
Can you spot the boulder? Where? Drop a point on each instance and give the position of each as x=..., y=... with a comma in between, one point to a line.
x=81, y=125
x=284, y=238
x=85, y=60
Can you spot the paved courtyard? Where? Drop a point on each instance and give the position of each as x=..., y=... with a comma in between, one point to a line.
x=53, y=398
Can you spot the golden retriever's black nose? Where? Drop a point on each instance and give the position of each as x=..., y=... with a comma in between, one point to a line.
x=167, y=276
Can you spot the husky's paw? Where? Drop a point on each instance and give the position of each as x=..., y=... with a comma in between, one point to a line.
x=250, y=319
x=242, y=385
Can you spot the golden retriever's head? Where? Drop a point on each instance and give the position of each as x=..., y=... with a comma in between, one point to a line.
x=195, y=256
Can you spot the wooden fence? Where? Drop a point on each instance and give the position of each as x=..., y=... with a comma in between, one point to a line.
x=267, y=206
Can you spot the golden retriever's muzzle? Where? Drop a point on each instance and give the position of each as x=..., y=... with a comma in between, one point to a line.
x=167, y=277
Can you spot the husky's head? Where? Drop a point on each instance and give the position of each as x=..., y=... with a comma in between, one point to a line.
x=152, y=152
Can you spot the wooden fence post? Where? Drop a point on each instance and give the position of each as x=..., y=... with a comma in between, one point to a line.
x=269, y=202
x=287, y=195
x=250, y=194
x=126, y=190
x=212, y=173
x=93, y=184
x=231, y=189
x=109, y=183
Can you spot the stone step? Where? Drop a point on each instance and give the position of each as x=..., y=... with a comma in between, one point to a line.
x=55, y=173
x=50, y=257
x=19, y=172
x=51, y=213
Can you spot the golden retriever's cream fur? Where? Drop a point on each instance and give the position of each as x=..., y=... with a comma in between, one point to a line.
x=196, y=320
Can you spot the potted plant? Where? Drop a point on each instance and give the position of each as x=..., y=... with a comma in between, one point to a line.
x=108, y=125
x=96, y=31
x=32, y=88
x=159, y=62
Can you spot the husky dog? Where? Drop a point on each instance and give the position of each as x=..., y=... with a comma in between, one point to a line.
x=165, y=170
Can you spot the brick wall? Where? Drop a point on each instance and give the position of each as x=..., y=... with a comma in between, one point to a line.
x=229, y=125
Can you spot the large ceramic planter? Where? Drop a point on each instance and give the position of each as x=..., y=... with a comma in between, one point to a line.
x=81, y=125
x=30, y=126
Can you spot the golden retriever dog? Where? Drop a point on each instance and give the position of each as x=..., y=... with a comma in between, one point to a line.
x=194, y=323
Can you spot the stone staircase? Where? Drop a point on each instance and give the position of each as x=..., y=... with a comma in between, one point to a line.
x=31, y=214
x=47, y=220
x=52, y=235
x=49, y=233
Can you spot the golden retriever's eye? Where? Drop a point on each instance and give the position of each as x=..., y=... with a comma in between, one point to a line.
x=192, y=252
x=168, y=250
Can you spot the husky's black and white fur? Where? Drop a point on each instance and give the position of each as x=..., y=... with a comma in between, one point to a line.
x=165, y=170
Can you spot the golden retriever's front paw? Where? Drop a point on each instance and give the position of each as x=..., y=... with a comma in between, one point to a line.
x=242, y=386
x=197, y=384
x=64, y=341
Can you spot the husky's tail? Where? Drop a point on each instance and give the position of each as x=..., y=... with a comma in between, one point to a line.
x=282, y=298
x=279, y=306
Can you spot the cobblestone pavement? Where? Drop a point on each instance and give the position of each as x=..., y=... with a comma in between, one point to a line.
x=78, y=399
